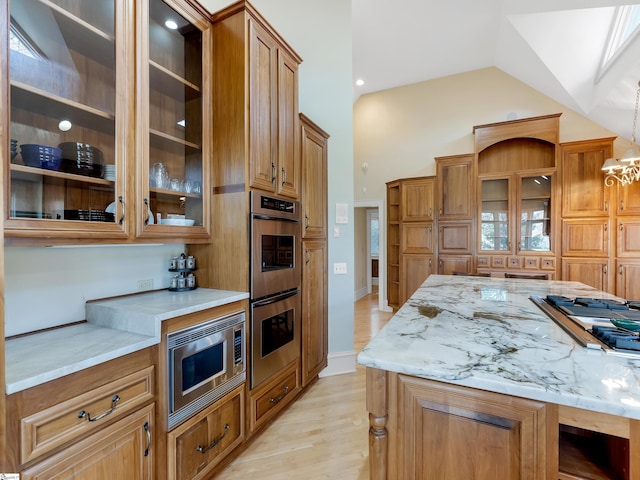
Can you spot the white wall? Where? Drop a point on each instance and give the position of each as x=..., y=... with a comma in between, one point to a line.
x=46, y=287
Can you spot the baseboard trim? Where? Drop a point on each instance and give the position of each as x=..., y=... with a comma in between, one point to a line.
x=339, y=363
x=358, y=294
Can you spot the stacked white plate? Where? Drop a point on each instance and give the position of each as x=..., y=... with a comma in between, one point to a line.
x=110, y=172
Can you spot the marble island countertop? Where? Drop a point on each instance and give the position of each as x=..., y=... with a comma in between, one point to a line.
x=486, y=333
x=114, y=327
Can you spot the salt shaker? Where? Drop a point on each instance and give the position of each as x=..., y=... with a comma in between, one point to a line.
x=191, y=262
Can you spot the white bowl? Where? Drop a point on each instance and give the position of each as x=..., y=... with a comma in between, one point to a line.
x=187, y=222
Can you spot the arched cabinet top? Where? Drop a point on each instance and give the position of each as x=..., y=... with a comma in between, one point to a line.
x=545, y=128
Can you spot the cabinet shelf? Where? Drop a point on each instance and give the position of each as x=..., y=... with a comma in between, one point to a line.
x=40, y=101
x=171, y=84
x=173, y=193
x=33, y=174
x=160, y=139
x=79, y=35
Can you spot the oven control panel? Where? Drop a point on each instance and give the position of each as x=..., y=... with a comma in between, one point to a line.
x=271, y=203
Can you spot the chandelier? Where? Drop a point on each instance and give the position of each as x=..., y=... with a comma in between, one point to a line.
x=627, y=169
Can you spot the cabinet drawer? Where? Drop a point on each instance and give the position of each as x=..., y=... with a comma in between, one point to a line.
x=197, y=445
x=47, y=429
x=270, y=399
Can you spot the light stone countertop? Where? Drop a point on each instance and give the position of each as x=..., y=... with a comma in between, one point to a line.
x=486, y=333
x=114, y=328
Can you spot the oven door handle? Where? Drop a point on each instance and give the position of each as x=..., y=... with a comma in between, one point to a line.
x=275, y=219
x=277, y=298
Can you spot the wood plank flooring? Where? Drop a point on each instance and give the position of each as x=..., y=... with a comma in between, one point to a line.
x=324, y=434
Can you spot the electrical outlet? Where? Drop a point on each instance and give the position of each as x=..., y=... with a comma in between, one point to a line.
x=145, y=285
x=339, y=268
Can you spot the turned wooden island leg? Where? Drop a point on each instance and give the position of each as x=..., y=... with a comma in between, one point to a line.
x=378, y=435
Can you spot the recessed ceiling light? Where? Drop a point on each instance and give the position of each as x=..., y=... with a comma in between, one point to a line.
x=359, y=82
x=170, y=24
x=65, y=125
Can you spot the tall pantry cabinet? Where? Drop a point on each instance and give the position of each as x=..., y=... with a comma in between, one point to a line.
x=315, y=335
x=586, y=214
x=411, y=236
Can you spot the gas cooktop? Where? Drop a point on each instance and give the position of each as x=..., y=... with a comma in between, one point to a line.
x=590, y=321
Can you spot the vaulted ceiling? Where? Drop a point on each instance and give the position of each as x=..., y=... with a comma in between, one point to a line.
x=554, y=46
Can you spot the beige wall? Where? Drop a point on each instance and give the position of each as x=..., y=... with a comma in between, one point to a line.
x=398, y=132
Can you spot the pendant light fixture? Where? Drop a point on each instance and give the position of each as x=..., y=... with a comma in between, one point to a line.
x=627, y=169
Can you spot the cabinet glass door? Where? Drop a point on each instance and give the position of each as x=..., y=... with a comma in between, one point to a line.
x=535, y=213
x=64, y=154
x=174, y=159
x=494, y=216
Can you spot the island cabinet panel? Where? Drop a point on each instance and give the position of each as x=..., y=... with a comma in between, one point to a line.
x=447, y=431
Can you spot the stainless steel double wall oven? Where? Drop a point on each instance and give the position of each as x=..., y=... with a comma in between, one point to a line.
x=275, y=284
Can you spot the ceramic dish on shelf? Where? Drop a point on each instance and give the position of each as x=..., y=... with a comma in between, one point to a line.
x=111, y=208
x=182, y=222
x=627, y=324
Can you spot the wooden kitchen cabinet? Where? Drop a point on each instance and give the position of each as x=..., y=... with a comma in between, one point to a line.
x=313, y=195
x=273, y=395
x=272, y=70
x=85, y=75
x=87, y=424
x=517, y=216
x=591, y=271
x=583, y=190
x=393, y=244
x=313, y=200
x=415, y=270
x=586, y=237
x=199, y=444
x=173, y=121
x=455, y=187
x=315, y=317
x=122, y=450
x=628, y=279
x=417, y=199
x=437, y=431
x=411, y=241
x=628, y=199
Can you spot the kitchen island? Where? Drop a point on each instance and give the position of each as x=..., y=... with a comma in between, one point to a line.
x=470, y=379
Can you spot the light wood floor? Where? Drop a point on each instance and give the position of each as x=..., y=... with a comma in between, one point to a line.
x=323, y=435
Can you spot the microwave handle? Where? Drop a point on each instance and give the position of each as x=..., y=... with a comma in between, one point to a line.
x=275, y=299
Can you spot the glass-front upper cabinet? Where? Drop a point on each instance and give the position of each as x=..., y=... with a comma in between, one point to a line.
x=172, y=145
x=494, y=215
x=535, y=213
x=67, y=132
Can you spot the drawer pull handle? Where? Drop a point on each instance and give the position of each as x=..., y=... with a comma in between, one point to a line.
x=114, y=404
x=284, y=176
x=215, y=442
x=273, y=173
x=306, y=221
x=280, y=397
x=146, y=429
